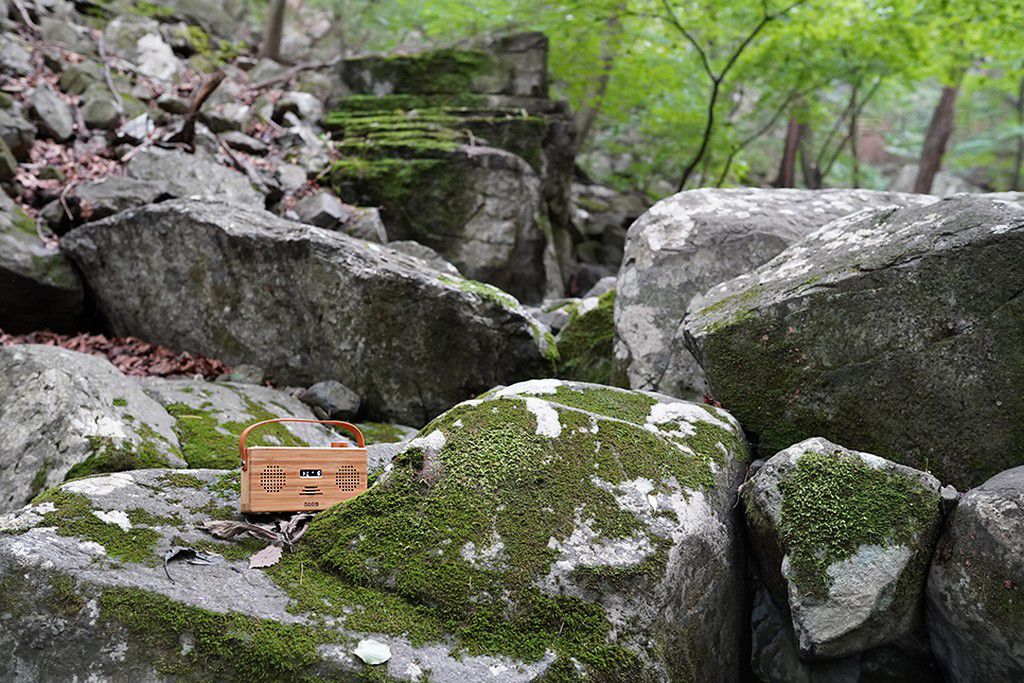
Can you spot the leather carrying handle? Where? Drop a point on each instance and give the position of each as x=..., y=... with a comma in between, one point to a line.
x=347, y=426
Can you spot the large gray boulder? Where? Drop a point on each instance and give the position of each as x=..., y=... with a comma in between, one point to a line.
x=610, y=511
x=976, y=585
x=481, y=208
x=87, y=597
x=179, y=174
x=889, y=331
x=694, y=240
x=306, y=304
x=620, y=561
x=843, y=540
x=64, y=413
x=39, y=288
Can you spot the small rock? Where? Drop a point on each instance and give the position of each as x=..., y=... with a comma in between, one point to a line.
x=244, y=374
x=8, y=164
x=365, y=223
x=155, y=58
x=425, y=254
x=76, y=78
x=17, y=132
x=226, y=117
x=331, y=399
x=322, y=209
x=291, y=177
x=52, y=114
x=135, y=130
x=96, y=199
x=99, y=110
x=302, y=104
x=950, y=498
x=57, y=29
x=172, y=103
x=14, y=58
x=180, y=174
x=236, y=139
x=605, y=284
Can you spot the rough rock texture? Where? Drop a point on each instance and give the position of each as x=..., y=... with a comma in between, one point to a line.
x=603, y=215
x=306, y=304
x=694, y=240
x=39, y=288
x=620, y=559
x=419, y=134
x=843, y=539
x=180, y=174
x=585, y=342
x=64, y=413
x=480, y=207
x=208, y=418
x=976, y=585
x=775, y=655
x=421, y=251
x=891, y=332
x=18, y=133
x=331, y=399
x=52, y=114
x=87, y=598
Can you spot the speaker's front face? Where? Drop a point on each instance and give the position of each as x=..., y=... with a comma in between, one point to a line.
x=293, y=479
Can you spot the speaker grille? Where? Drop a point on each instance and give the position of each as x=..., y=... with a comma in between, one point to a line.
x=347, y=478
x=272, y=478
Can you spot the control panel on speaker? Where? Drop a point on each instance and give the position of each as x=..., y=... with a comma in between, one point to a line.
x=291, y=478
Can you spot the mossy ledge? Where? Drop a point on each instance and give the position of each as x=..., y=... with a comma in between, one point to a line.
x=585, y=344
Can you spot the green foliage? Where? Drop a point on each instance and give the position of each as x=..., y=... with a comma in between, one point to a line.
x=833, y=503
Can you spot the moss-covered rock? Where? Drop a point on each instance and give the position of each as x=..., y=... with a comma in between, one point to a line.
x=896, y=332
x=209, y=417
x=306, y=304
x=976, y=584
x=843, y=539
x=65, y=414
x=39, y=288
x=589, y=522
x=585, y=344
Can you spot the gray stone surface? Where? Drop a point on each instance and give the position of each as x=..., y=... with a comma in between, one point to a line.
x=68, y=613
x=39, y=288
x=51, y=114
x=305, y=304
x=871, y=583
x=322, y=209
x=365, y=223
x=889, y=332
x=694, y=240
x=99, y=110
x=17, y=132
x=975, y=603
x=331, y=399
x=492, y=230
x=59, y=409
x=96, y=199
x=425, y=254
x=180, y=174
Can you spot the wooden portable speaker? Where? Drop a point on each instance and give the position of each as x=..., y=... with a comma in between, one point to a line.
x=294, y=478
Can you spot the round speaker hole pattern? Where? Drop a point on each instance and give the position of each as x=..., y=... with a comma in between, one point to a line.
x=347, y=478
x=272, y=478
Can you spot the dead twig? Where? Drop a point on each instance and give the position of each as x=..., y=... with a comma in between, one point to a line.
x=292, y=72
x=101, y=45
x=188, y=131
x=241, y=165
x=25, y=16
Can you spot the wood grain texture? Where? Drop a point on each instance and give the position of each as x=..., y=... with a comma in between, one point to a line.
x=273, y=481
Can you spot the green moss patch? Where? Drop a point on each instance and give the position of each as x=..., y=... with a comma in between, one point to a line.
x=229, y=646
x=585, y=345
x=833, y=503
x=449, y=71
x=208, y=442
x=381, y=432
x=73, y=516
x=117, y=455
x=398, y=552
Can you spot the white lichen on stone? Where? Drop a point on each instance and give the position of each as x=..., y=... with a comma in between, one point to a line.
x=99, y=486
x=115, y=517
x=547, y=417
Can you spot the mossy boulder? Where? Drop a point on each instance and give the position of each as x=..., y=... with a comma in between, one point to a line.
x=480, y=207
x=686, y=244
x=39, y=288
x=976, y=584
x=209, y=417
x=306, y=304
x=897, y=332
x=67, y=414
x=843, y=540
x=584, y=528
x=585, y=343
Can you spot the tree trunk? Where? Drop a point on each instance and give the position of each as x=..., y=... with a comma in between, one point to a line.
x=939, y=131
x=609, y=48
x=273, y=29
x=808, y=165
x=1016, y=182
x=787, y=167
x=855, y=179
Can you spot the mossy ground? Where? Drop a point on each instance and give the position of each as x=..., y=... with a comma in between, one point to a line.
x=585, y=343
x=381, y=432
x=833, y=503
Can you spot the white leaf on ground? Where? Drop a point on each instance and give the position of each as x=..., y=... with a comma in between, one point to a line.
x=266, y=557
x=372, y=652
